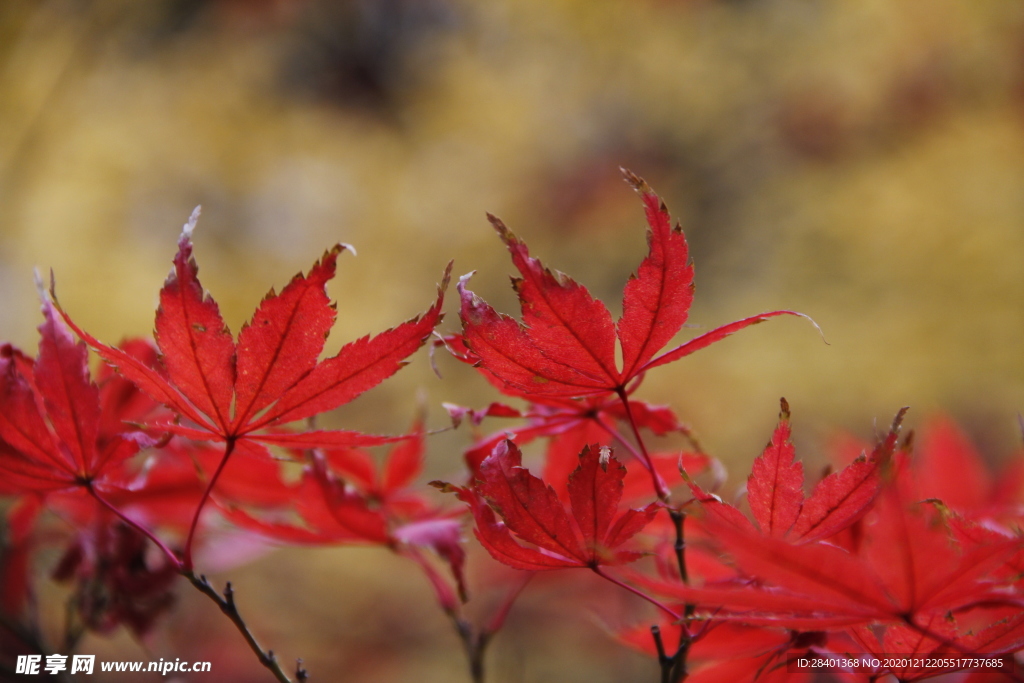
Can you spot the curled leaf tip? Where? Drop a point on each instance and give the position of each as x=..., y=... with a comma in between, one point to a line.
x=464, y=290
x=821, y=333
x=811, y=320
x=338, y=248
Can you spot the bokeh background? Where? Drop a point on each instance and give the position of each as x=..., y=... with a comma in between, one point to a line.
x=861, y=161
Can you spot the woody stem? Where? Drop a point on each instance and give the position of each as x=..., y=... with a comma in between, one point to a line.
x=678, y=521
x=226, y=603
x=475, y=645
x=674, y=667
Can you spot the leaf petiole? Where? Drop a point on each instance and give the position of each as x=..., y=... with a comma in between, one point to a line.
x=229, y=448
x=168, y=553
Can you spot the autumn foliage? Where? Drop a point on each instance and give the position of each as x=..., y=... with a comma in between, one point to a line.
x=904, y=548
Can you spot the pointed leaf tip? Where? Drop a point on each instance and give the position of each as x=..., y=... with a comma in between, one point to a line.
x=682, y=470
x=635, y=181
x=447, y=277
x=506, y=235
x=186, y=231
x=898, y=420
x=443, y=486
x=784, y=409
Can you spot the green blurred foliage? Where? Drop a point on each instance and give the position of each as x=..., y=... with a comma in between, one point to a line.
x=861, y=161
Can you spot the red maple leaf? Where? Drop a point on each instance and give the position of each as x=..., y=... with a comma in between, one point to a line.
x=368, y=506
x=243, y=392
x=940, y=644
x=586, y=537
x=565, y=345
x=946, y=470
x=57, y=430
x=776, y=495
x=388, y=485
x=949, y=468
x=904, y=567
x=905, y=570
x=272, y=376
x=343, y=497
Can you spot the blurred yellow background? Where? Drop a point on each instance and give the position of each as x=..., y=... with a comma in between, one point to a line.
x=861, y=161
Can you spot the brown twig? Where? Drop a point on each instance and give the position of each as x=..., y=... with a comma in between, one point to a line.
x=475, y=644
x=674, y=667
x=474, y=640
x=226, y=602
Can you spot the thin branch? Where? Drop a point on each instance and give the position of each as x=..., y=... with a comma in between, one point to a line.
x=664, y=661
x=227, y=605
x=678, y=520
x=475, y=642
x=673, y=669
x=676, y=666
x=475, y=645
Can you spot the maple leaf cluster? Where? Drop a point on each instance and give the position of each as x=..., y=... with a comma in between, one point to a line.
x=878, y=559
x=125, y=457
x=152, y=464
